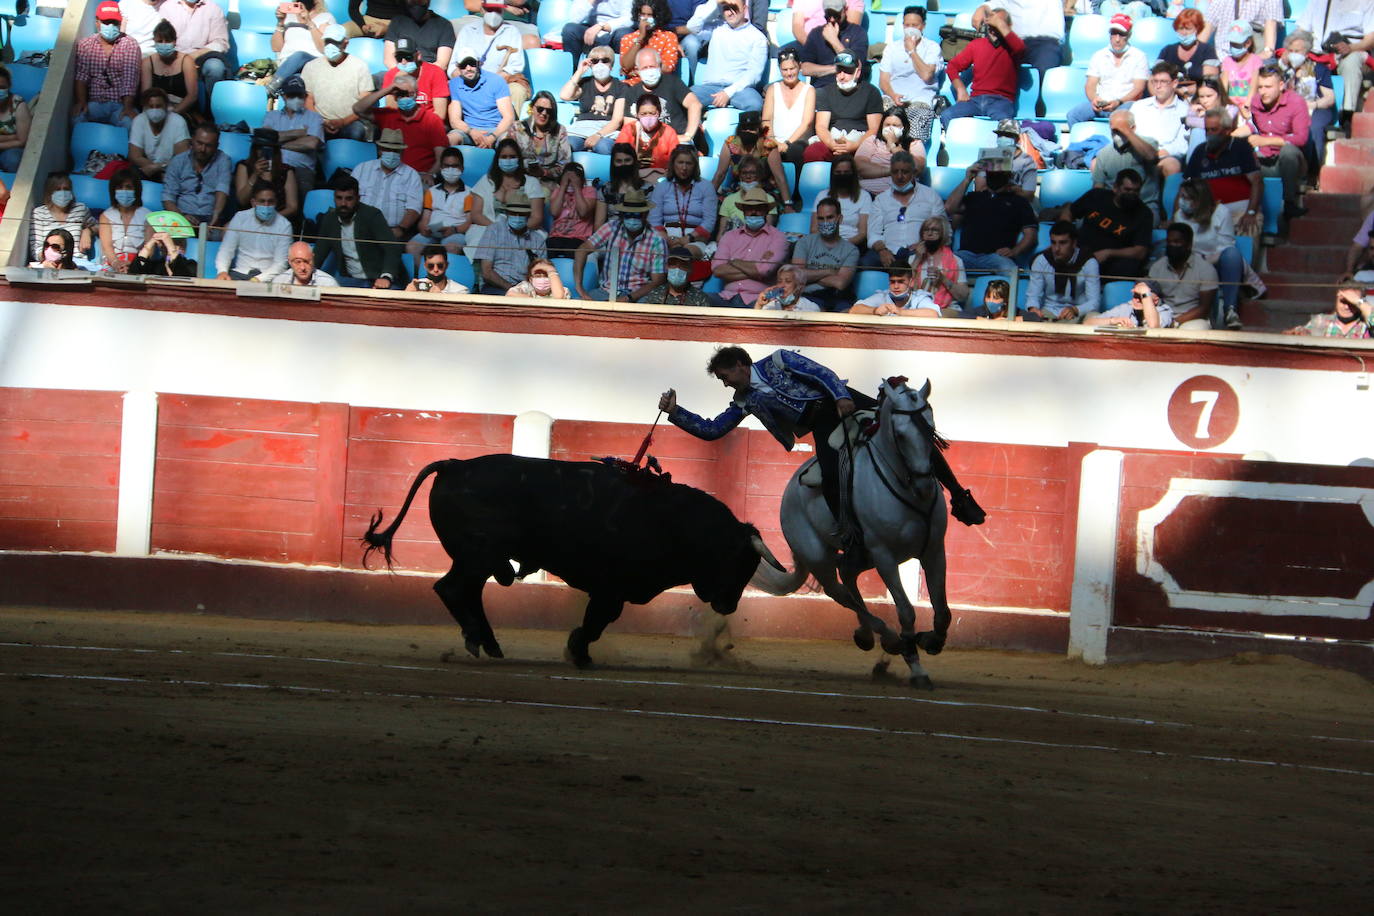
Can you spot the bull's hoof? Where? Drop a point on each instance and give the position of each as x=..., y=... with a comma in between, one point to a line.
x=576, y=651
x=921, y=682
x=891, y=643
x=930, y=642
x=492, y=648
x=863, y=638
x=473, y=646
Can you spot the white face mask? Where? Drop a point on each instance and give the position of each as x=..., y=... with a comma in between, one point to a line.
x=156, y=115
x=650, y=76
x=892, y=132
x=601, y=71
x=451, y=174
x=846, y=87
x=913, y=33
x=1296, y=59
x=492, y=20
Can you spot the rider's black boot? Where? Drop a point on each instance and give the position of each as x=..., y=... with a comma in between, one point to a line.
x=962, y=505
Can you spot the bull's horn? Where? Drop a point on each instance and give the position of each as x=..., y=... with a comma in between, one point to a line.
x=762, y=549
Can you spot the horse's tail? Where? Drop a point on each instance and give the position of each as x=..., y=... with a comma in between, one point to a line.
x=376, y=540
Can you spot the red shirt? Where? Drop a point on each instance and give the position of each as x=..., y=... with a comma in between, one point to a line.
x=431, y=84
x=994, y=69
x=423, y=133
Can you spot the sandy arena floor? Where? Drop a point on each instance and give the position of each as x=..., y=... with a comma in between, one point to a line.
x=203, y=765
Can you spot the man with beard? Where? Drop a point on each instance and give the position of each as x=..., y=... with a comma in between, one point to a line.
x=999, y=224
x=1129, y=150
x=435, y=280
x=1064, y=282
x=1187, y=281
x=1280, y=125
x=358, y=234
x=196, y=183
x=1115, y=226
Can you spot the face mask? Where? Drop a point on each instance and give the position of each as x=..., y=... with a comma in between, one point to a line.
x=846, y=87
x=168, y=50
x=898, y=298
x=332, y=52
x=601, y=71
x=1215, y=143
x=508, y=164
x=473, y=80
x=904, y=188
x=1006, y=142
x=748, y=137
x=1187, y=207
x=621, y=173
x=52, y=253
x=156, y=115
x=934, y=245
x=541, y=284
x=1120, y=142
x=828, y=228
x=517, y=223
x=632, y=223
x=265, y=214
x=650, y=76
x=754, y=223
x=787, y=300
x=648, y=122
x=417, y=11
x=1187, y=39
x=998, y=180
x=748, y=185
x=1130, y=201
x=1121, y=52
x=1238, y=53
x=407, y=66
x=677, y=276
x=295, y=104
x=892, y=132
x=913, y=33
x=109, y=31
x=1176, y=254
x=451, y=175
x=649, y=23
x=124, y=197
x=390, y=159
x=406, y=103
x=62, y=198
x=1296, y=59
x=492, y=20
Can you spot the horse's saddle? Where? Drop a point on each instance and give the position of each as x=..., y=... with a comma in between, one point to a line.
x=858, y=424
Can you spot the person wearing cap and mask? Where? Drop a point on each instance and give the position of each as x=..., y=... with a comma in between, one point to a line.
x=994, y=58
x=196, y=183
x=999, y=225
x=333, y=82
x=747, y=258
x=499, y=49
x=108, y=66
x=480, y=112
x=1039, y=23
x=256, y=241
x=1241, y=63
x=677, y=288
x=431, y=83
x=1187, y=281
x=826, y=260
x=1130, y=149
x=835, y=35
x=848, y=112
x=1145, y=309
x=909, y=75
x=1025, y=173
x=433, y=35
x=737, y=65
x=1116, y=74
x=391, y=186
x=300, y=131
x=435, y=280
x=203, y=33
x=1219, y=15
x=508, y=244
x=298, y=38
x=681, y=109
x=1344, y=28
x=156, y=135
x=1116, y=227
x=1160, y=116
x=424, y=134
x=632, y=254
x=357, y=239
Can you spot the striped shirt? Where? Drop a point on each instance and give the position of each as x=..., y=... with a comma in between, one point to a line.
x=639, y=258
x=110, y=72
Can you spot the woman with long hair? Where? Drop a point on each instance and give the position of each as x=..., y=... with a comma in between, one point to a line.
x=751, y=138
x=60, y=210
x=874, y=155
x=1214, y=239
x=264, y=165
x=543, y=141
x=15, y=119
x=684, y=208
x=124, y=223
x=855, y=202
x=624, y=177
x=935, y=268
x=55, y=251
x=172, y=71
x=651, y=31
x=506, y=176
x=1210, y=94
x=573, y=204
x=299, y=38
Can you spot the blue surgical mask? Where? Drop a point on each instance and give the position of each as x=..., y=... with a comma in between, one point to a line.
x=332, y=52
x=109, y=31
x=295, y=104
x=904, y=188
x=899, y=299
x=390, y=159
x=677, y=276
x=166, y=49
x=748, y=185
x=124, y=197
x=156, y=115
x=265, y=214
x=517, y=223
x=754, y=223
x=508, y=164
x=632, y=223
x=406, y=103
x=63, y=198
x=406, y=66
x=1187, y=39
x=4, y=94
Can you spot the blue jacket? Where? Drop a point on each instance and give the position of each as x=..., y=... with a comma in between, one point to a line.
x=796, y=382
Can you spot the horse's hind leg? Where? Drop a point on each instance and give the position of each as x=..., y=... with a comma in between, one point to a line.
x=462, y=595
x=845, y=592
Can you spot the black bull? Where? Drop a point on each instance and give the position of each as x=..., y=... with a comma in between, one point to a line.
x=620, y=536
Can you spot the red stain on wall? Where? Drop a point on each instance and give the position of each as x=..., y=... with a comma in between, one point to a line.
x=218, y=440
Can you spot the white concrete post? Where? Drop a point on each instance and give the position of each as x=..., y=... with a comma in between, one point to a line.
x=532, y=435
x=137, y=459
x=1094, y=565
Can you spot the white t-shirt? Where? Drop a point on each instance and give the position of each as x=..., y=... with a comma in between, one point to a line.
x=446, y=207
x=160, y=148
x=471, y=40
x=905, y=81
x=139, y=21
x=850, y=211
x=1115, y=80
x=1035, y=18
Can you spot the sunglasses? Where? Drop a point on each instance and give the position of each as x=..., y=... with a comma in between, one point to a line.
x=600, y=60
x=731, y=8
x=1140, y=296
x=436, y=265
x=544, y=109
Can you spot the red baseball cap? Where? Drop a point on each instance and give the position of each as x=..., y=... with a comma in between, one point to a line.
x=1121, y=22
x=108, y=11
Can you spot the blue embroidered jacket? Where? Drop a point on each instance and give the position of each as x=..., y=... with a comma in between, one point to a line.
x=796, y=382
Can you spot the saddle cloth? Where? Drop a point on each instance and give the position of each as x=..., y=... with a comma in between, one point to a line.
x=855, y=423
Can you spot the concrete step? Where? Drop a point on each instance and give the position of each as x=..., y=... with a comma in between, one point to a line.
x=1300, y=287
x=1363, y=125
x=1310, y=231
x=1359, y=151
x=1347, y=179
x=1326, y=205
x=1300, y=257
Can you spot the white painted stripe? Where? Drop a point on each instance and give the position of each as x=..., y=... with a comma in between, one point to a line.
x=706, y=717
x=137, y=458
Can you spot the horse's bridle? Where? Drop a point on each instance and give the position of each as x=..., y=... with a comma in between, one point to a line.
x=929, y=432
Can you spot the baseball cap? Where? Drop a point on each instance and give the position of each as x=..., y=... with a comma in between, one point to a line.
x=680, y=253
x=108, y=11
x=1240, y=32
x=834, y=5
x=1121, y=23
x=335, y=33
x=846, y=61
x=405, y=45
x=293, y=86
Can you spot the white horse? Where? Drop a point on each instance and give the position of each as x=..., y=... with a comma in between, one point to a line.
x=899, y=506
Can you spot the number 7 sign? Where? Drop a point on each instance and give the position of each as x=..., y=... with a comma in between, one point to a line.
x=1203, y=412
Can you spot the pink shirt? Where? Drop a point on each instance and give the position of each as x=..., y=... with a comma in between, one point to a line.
x=1240, y=77
x=815, y=11
x=1288, y=119
x=199, y=26
x=767, y=250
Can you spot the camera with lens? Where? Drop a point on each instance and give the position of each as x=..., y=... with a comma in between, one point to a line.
x=950, y=33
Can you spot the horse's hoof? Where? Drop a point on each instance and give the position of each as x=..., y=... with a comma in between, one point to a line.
x=474, y=647
x=891, y=643
x=576, y=651
x=863, y=638
x=921, y=682
x=930, y=643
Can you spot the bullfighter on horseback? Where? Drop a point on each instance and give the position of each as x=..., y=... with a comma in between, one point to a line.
x=792, y=395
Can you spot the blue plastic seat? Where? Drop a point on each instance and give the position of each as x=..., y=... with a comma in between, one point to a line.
x=477, y=162
x=371, y=50
x=1116, y=292
x=1245, y=244
x=26, y=81
x=815, y=179
x=448, y=9
x=1151, y=35
x=152, y=194
x=256, y=16
x=719, y=124
x=93, y=192
x=564, y=266
x=253, y=46
x=207, y=263
x=1085, y=129
x=1271, y=204
x=1087, y=34
x=1062, y=89
x=795, y=223
x=1028, y=93
x=869, y=281
x=1169, y=192
x=877, y=28
x=236, y=146
x=596, y=166
x=232, y=102
x=105, y=138
x=317, y=202
x=345, y=154
x=548, y=69
x=1063, y=186
x=945, y=178
x=965, y=137
x=713, y=284
x=552, y=16
x=33, y=34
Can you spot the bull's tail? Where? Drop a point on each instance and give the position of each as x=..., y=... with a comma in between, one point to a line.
x=375, y=540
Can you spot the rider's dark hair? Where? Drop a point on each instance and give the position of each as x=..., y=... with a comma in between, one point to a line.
x=727, y=358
